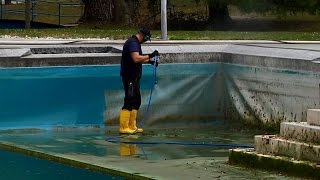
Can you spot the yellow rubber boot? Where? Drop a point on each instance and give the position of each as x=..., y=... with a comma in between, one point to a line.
x=133, y=122
x=124, y=122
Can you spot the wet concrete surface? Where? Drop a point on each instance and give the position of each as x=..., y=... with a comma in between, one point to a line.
x=89, y=145
x=19, y=166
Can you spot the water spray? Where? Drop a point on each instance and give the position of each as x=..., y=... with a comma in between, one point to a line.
x=117, y=139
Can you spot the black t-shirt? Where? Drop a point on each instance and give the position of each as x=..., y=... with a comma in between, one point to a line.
x=130, y=69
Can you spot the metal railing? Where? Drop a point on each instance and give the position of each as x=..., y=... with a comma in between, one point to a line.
x=38, y=13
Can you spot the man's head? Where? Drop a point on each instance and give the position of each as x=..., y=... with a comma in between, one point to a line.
x=144, y=34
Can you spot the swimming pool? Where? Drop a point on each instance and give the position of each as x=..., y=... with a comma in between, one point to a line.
x=186, y=96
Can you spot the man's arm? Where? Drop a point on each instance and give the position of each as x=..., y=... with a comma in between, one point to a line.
x=137, y=58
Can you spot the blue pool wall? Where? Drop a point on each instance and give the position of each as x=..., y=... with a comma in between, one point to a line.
x=185, y=95
x=92, y=95
x=201, y=85
x=55, y=96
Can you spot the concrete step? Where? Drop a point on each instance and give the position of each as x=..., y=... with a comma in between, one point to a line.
x=313, y=117
x=302, y=132
x=273, y=145
x=285, y=165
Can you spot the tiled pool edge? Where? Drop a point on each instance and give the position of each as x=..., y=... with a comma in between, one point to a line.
x=71, y=162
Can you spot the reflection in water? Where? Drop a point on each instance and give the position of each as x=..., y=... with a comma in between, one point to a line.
x=128, y=149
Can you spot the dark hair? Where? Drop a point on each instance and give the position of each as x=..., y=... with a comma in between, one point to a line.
x=146, y=33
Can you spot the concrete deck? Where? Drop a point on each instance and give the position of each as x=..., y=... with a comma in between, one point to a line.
x=288, y=54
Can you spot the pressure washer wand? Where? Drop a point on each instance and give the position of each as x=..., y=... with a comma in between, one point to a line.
x=156, y=59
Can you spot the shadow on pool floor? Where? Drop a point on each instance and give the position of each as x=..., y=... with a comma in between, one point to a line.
x=89, y=145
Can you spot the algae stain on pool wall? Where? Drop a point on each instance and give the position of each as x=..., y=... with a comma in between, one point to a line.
x=255, y=96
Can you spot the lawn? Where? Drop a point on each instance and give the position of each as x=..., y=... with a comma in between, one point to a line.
x=245, y=27
x=114, y=33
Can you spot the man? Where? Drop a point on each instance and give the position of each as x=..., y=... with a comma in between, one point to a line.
x=131, y=71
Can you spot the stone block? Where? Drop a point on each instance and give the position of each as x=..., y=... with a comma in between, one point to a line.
x=313, y=117
x=300, y=132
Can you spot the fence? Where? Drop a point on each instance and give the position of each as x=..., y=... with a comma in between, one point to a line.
x=51, y=12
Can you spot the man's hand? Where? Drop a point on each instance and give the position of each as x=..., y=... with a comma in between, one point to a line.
x=155, y=53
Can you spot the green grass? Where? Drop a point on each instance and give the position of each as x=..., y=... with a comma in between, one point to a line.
x=235, y=35
x=173, y=35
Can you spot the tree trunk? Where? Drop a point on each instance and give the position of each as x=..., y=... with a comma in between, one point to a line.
x=7, y=2
x=119, y=6
x=98, y=10
x=132, y=8
x=218, y=13
x=122, y=12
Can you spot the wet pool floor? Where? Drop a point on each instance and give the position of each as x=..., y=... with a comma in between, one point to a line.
x=19, y=166
x=153, y=161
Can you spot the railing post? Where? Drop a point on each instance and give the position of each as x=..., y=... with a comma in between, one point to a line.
x=59, y=14
x=1, y=9
x=32, y=6
x=27, y=14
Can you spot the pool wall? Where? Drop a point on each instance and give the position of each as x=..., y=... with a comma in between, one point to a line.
x=54, y=96
x=199, y=83
x=218, y=93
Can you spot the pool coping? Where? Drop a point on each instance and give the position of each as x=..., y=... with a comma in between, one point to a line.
x=261, y=54
x=71, y=162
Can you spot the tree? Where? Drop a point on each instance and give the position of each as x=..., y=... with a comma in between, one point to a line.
x=7, y=2
x=219, y=13
x=279, y=7
x=115, y=11
x=98, y=10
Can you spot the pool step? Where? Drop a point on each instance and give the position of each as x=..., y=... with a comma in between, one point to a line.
x=285, y=152
x=278, y=146
x=300, y=141
x=313, y=117
x=308, y=132
x=302, y=132
x=250, y=158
